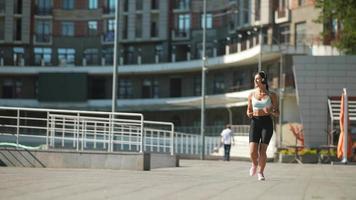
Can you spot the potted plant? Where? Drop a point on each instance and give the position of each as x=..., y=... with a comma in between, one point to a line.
x=327, y=156
x=308, y=155
x=287, y=156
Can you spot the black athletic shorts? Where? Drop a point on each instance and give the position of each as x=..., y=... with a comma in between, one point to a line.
x=261, y=129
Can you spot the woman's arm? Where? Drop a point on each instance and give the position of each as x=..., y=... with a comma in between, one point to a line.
x=249, y=111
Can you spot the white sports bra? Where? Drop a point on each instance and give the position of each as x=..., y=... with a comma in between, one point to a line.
x=260, y=104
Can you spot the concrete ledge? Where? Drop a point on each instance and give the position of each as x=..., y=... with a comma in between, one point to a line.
x=71, y=159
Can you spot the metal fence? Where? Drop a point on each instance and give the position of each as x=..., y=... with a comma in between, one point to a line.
x=99, y=131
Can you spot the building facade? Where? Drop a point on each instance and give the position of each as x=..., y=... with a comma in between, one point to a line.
x=59, y=54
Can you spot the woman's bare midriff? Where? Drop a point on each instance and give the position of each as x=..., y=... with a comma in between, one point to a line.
x=260, y=113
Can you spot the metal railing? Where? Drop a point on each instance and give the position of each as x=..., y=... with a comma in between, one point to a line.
x=99, y=131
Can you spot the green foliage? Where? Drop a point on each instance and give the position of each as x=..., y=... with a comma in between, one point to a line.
x=344, y=12
x=326, y=152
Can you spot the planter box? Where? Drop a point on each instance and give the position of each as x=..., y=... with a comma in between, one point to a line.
x=327, y=159
x=285, y=158
x=309, y=158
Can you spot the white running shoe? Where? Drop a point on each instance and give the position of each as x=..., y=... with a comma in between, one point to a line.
x=260, y=176
x=253, y=170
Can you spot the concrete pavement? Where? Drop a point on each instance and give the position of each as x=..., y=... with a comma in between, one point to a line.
x=193, y=180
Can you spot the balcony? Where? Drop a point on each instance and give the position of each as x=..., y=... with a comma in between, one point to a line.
x=180, y=35
x=281, y=15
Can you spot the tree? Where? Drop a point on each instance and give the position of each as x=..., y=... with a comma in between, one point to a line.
x=339, y=18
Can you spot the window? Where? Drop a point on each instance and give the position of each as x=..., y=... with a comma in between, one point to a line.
x=109, y=35
x=110, y=6
x=300, y=33
x=209, y=21
x=67, y=28
x=2, y=28
x=43, y=7
x=219, y=84
x=154, y=4
x=17, y=6
x=2, y=6
x=93, y=4
x=138, y=26
x=154, y=25
x=68, y=4
x=125, y=89
x=92, y=28
x=66, y=56
x=182, y=4
x=126, y=5
x=197, y=85
x=12, y=89
x=18, y=55
x=246, y=12
x=125, y=27
x=257, y=10
x=301, y=2
x=43, y=31
x=44, y=54
x=108, y=54
x=183, y=22
x=17, y=29
x=241, y=80
x=150, y=88
x=284, y=34
x=138, y=4
x=97, y=88
x=91, y=56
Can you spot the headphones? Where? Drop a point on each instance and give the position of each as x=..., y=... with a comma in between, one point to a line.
x=263, y=77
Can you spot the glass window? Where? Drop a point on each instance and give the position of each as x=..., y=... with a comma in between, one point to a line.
x=138, y=26
x=68, y=4
x=18, y=55
x=197, y=85
x=91, y=56
x=43, y=7
x=110, y=6
x=125, y=89
x=43, y=31
x=183, y=22
x=301, y=2
x=92, y=27
x=246, y=11
x=44, y=54
x=154, y=25
x=66, y=56
x=182, y=4
x=300, y=33
x=138, y=4
x=108, y=54
x=209, y=21
x=284, y=34
x=154, y=4
x=67, y=28
x=109, y=35
x=93, y=4
x=17, y=34
x=97, y=87
x=2, y=28
x=150, y=88
x=2, y=6
x=219, y=84
x=257, y=10
x=12, y=88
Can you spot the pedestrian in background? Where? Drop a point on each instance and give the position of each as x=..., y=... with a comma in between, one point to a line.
x=227, y=139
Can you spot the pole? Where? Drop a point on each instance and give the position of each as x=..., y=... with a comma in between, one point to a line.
x=114, y=71
x=280, y=101
x=346, y=128
x=202, y=114
x=260, y=53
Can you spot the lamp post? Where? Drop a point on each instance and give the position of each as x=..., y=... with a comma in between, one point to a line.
x=114, y=71
x=203, y=69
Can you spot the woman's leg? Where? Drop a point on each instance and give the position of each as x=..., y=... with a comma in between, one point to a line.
x=262, y=158
x=254, y=153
